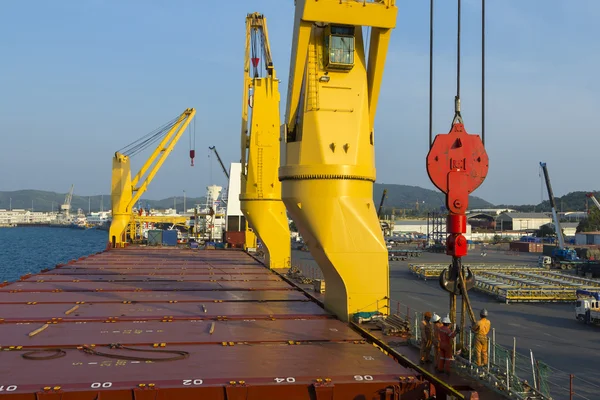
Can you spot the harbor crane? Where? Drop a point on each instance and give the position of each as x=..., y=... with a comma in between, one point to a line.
x=561, y=253
x=65, y=208
x=127, y=191
x=591, y=196
x=328, y=169
x=214, y=149
x=260, y=196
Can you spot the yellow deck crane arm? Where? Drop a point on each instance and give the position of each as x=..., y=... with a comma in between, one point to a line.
x=126, y=191
x=260, y=197
x=329, y=169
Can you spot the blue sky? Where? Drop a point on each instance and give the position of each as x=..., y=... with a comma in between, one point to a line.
x=81, y=79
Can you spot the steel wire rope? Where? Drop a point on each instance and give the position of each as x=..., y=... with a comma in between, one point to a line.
x=430, y=73
x=567, y=390
x=483, y=72
x=553, y=369
x=57, y=353
x=151, y=133
x=151, y=140
x=178, y=354
x=457, y=115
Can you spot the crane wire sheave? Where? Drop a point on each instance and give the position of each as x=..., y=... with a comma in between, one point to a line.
x=457, y=164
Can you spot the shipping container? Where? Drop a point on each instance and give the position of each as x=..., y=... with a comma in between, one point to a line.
x=236, y=239
x=169, y=237
x=154, y=237
x=526, y=247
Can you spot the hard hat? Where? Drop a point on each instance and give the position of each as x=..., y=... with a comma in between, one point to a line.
x=427, y=314
x=446, y=320
x=435, y=318
x=483, y=313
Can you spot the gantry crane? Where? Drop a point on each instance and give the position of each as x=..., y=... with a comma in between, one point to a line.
x=260, y=197
x=126, y=191
x=214, y=149
x=329, y=169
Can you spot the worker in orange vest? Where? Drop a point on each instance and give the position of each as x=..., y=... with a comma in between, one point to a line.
x=437, y=324
x=481, y=330
x=426, y=338
x=446, y=334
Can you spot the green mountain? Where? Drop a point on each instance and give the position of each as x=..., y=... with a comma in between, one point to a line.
x=398, y=196
x=411, y=198
x=574, y=201
x=48, y=201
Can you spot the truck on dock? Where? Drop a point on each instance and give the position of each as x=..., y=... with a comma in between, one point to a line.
x=587, y=308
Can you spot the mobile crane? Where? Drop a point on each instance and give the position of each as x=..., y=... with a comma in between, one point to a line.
x=329, y=164
x=561, y=256
x=260, y=197
x=127, y=191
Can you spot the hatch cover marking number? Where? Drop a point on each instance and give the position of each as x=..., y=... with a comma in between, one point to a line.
x=363, y=378
x=194, y=382
x=368, y=358
x=10, y=388
x=288, y=380
x=97, y=385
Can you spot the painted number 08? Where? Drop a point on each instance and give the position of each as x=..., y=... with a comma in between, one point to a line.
x=363, y=378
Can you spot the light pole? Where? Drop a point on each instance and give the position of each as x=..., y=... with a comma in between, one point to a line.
x=184, y=209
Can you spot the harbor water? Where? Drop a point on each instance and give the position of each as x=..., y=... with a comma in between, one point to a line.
x=29, y=250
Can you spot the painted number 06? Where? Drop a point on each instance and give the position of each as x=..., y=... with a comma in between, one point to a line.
x=363, y=378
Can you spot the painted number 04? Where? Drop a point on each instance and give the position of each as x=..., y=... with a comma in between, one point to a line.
x=194, y=382
x=10, y=388
x=97, y=385
x=363, y=378
x=288, y=380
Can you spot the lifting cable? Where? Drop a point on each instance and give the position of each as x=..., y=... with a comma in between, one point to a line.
x=147, y=140
x=430, y=73
x=457, y=117
x=58, y=353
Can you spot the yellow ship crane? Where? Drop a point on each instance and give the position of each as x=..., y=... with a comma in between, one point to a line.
x=260, y=197
x=329, y=169
x=126, y=191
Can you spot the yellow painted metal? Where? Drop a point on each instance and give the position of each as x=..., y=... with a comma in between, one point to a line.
x=329, y=168
x=260, y=197
x=126, y=191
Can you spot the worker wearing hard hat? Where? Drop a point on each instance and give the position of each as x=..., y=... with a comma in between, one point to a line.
x=446, y=334
x=426, y=338
x=481, y=330
x=437, y=324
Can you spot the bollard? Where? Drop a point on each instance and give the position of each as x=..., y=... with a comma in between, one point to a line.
x=507, y=377
x=571, y=393
x=535, y=386
x=514, y=355
x=470, y=347
x=493, y=345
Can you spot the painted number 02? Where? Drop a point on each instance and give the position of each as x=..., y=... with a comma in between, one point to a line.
x=194, y=382
x=363, y=378
x=97, y=385
x=10, y=388
x=288, y=380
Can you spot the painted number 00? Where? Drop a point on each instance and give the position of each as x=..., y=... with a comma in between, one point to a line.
x=189, y=382
x=97, y=385
x=288, y=380
x=10, y=388
x=363, y=378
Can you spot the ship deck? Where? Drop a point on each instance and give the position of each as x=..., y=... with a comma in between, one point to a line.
x=217, y=324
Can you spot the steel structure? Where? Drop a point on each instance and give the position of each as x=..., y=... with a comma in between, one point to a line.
x=260, y=197
x=329, y=165
x=127, y=191
x=214, y=149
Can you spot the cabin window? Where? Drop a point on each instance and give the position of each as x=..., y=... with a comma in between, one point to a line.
x=339, y=45
x=578, y=303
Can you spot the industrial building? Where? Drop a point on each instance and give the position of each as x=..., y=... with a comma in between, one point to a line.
x=568, y=228
x=19, y=216
x=525, y=222
x=587, y=238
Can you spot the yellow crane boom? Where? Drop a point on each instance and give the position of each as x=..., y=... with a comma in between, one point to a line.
x=260, y=197
x=329, y=168
x=126, y=191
